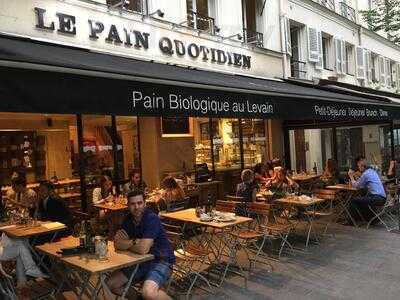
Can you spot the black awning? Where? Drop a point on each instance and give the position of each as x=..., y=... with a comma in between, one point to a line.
x=66, y=83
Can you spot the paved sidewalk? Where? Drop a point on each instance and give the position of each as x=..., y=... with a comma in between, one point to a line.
x=357, y=264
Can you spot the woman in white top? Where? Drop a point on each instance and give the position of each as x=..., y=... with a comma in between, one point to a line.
x=104, y=192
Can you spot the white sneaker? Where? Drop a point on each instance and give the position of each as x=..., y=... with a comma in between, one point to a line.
x=35, y=272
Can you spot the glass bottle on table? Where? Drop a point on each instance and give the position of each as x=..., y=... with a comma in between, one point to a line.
x=82, y=235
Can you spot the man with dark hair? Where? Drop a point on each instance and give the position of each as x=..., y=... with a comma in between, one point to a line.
x=376, y=195
x=21, y=196
x=142, y=233
x=51, y=207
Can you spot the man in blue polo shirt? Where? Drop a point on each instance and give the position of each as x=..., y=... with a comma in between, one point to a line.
x=142, y=233
x=376, y=195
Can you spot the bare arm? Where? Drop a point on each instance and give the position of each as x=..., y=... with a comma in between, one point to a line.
x=123, y=242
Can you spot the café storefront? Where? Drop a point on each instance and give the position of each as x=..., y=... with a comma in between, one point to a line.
x=75, y=113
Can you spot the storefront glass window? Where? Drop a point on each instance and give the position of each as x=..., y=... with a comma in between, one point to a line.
x=42, y=146
x=97, y=147
x=254, y=142
x=310, y=148
x=349, y=146
x=226, y=144
x=202, y=141
x=127, y=145
x=385, y=146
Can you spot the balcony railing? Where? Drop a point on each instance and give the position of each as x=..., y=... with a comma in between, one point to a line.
x=298, y=69
x=328, y=3
x=253, y=38
x=200, y=22
x=131, y=5
x=347, y=11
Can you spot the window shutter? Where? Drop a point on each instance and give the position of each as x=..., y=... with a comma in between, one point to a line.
x=287, y=36
x=313, y=50
x=319, y=64
x=382, y=75
x=376, y=63
x=338, y=56
x=368, y=65
x=398, y=76
x=344, y=56
x=360, y=58
x=388, y=73
x=394, y=76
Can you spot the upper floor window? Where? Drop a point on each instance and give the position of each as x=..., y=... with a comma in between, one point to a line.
x=327, y=52
x=350, y=61
x=251, y=22
x=200, y=14
x=133, y=5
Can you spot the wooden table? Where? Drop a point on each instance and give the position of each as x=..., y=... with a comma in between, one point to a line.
x=83, y=266
x=306, y=181
x=307, y=211
x=69, y=196
x=305, y=177
x=341, y=187
x=299, y=202
x=57, y=185
x=189, y=216
x=111, y=206
x=25, y=231
x=349, y=192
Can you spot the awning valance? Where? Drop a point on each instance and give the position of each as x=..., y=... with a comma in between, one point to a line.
x=46, y=78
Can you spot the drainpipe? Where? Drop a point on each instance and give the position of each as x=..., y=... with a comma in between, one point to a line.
x=282, y=35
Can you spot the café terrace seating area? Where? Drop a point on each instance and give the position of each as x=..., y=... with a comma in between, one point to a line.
x=288, y=246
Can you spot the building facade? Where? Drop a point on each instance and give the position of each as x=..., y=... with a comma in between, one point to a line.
x=107, y=79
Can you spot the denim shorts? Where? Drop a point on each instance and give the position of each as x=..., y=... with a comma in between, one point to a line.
x=158, y=272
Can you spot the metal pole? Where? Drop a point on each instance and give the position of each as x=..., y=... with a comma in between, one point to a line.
x=211, y=134
x=241, y=144
x=114, y=138
x=79, y=126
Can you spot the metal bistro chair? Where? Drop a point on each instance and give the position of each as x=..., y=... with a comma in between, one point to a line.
x=191, y=261
x=7, y=289
x=272, y=227
x=385, y=214
x=325, y=212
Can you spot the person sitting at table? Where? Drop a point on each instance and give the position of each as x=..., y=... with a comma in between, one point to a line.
x=247, y=190
x=52, y=208
x=330, y=176
x=135, y=183
x=269, y=169
x=260, y=175
x=394, y=170
x=104, y=192
x=142, y=233
x=21, y=197
x=17, y=249
x=172, y=191
x=281, y=182
x=376, y=195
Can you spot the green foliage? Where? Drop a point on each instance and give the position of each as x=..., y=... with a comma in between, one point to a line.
x=384, y=16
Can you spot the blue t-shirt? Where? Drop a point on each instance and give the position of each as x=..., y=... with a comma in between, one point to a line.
x=150, y=227
x=370, y=180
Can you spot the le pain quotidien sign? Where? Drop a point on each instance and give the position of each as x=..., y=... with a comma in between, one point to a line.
x=66, y=24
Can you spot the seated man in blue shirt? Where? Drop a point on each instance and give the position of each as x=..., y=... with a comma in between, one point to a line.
x=142, y=233
x=376, y=195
